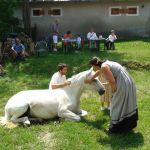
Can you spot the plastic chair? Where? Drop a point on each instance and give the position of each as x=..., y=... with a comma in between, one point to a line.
x=41, y=47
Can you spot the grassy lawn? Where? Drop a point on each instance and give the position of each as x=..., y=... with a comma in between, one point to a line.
x=88, y=134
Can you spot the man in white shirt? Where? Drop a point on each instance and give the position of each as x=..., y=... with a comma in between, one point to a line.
x=112, y=37
x=92, y=37
x=55, y=30
x=58, y=79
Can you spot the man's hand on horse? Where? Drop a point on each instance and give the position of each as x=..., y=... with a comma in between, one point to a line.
x=67, y=83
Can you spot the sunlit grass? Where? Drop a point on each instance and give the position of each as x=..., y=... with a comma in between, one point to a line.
x=35, y=73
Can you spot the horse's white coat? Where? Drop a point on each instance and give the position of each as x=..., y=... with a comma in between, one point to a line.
x=47, y=104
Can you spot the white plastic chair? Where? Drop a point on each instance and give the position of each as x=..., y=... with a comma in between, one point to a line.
x=41, y=47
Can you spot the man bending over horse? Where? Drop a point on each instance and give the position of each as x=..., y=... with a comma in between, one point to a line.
x=58, y=79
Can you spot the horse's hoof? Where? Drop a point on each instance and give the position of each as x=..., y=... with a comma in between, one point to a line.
x=56, y=122
x=82, y=113
x=26, y=122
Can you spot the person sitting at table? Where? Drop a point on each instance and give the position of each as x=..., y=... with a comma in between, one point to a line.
x=109, y=43
x=67, y=36
x=92, y=37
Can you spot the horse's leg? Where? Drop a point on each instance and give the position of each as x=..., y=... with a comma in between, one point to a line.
x=68, y=115
x=24, y=120
x=16, y=112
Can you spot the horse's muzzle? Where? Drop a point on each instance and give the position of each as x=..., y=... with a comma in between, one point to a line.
x=101, y=91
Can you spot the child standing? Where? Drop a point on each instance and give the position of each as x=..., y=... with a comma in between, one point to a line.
x=78, y=41
x=105, y=99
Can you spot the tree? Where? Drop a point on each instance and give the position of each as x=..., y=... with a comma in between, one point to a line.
x=7, y=21
x=26, y=17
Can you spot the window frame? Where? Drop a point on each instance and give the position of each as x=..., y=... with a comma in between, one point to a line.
x=60, y=8
x=110, y=8
x=137, y=14
x=37, y=9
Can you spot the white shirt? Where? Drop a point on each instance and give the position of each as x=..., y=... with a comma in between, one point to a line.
x=78, y=40
x=112, y=38
x=92, y=36
x=57, y=78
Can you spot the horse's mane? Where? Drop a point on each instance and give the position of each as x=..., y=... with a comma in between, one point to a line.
x=74, y=78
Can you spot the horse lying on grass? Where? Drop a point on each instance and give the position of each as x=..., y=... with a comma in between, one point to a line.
x=48, y=104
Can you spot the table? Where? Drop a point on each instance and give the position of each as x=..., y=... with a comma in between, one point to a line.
x=68, y=44
x=98, y=42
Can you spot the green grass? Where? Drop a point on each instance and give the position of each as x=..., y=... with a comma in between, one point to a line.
x=89, y=133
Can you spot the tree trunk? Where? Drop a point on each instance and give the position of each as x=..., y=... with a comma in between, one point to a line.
x=26, y=17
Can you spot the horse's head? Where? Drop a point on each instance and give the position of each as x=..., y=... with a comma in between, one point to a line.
x=96, y=84
x=79, y=80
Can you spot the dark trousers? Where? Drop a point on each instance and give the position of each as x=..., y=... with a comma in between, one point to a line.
x=109, y=45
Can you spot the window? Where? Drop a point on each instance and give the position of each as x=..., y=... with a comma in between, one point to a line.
x=55, y=12
x=133, y=11
x=114, y=11
x=37, y=12
x=128, y=11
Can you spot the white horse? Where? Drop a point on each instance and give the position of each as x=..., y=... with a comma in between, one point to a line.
x=48, y=104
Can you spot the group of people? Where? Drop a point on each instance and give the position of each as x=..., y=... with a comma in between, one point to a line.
x=91, y=37
x=67, y=38
x=109, y=42
x=120, y=92
x=15, y=49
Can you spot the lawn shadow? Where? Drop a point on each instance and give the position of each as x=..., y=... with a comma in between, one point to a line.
x=98, y=124
x=123, y=141
x=132, y=139
x=41, y=122
x=46, y=66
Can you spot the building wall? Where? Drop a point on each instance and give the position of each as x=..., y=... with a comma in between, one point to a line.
x=79, y=17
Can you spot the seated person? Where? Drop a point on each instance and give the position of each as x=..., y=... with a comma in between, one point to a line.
x=110, y=41
x=18, y=49
x=67, y=37
x=91, y=36
x=58, y=79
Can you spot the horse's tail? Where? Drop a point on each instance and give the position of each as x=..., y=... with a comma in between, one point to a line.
x=6, y=117
x=3, y=120
x=6, y=123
